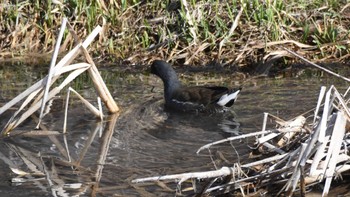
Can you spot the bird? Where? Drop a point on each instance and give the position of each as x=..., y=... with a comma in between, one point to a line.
x=199, y=99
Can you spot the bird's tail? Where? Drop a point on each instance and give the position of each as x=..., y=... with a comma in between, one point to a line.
x=229, y=99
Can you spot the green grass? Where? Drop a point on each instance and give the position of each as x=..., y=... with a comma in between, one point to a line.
x=132, y=28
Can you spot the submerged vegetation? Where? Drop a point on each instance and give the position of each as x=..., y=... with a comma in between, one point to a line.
x=191, y=32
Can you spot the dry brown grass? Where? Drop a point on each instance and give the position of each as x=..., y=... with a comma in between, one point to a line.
x=183, y=31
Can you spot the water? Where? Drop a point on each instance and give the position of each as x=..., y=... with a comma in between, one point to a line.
x=101, y=158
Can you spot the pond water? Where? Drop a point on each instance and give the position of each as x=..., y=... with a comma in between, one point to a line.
x=101, y=158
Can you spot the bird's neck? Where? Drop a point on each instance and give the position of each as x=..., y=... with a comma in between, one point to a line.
x=171, y=84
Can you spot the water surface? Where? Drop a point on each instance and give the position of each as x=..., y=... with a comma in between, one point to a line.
x=101, y=158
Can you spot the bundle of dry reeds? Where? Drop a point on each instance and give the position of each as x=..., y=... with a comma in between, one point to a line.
x=297, y=153
x=38, y=95
x=35, y=166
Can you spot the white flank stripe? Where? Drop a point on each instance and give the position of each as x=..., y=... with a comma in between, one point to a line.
x=227, y=98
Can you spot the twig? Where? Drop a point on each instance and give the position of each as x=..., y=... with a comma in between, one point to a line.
x=224, y=171
x=233, y=138
x=263, y=161
x=317, y=66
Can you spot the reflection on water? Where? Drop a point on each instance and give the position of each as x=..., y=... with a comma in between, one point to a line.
x=101, y=158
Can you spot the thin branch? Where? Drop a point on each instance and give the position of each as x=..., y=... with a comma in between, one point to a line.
x=317, y=66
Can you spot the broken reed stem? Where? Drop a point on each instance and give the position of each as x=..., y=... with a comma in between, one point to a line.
x=319, y=101
x=234, y=138
x=224, y=171
x=66, y=111
x=29, y=112
x=67, y=59
x=51, y=94
x=317, y=66
x=67, y=148
x=54, y=74
x=92, y=108
x=264, y=122
x=100, y=85
x=302, y=181
x=52, y=65
x=100, y=107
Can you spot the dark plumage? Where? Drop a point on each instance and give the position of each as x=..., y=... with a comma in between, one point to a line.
x=196, y=98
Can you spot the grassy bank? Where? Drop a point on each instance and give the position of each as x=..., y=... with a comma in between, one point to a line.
x=192, y=32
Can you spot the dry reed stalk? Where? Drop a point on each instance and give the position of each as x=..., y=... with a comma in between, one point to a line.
x=52, y=65
x=67, y=59
x=207, y=146
x=200, y=48
x=93, y=109
x=67, y=148
x=34, y=133
x=294, y=179
x=290, y=130
x=100, y=85
x=100, y=108
x=302, y=182
x=42, y=96
x=232, y=29
x=66, y=112
x=224, y=171
x=35, y=106
x=333, y=152
x=319, y=101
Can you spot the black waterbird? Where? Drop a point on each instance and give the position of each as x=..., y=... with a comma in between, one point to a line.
x=194, y=98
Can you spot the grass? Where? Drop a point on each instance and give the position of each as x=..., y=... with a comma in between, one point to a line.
x=182, y=31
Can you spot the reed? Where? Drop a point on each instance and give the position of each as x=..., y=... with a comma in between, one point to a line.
x=39, y=94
